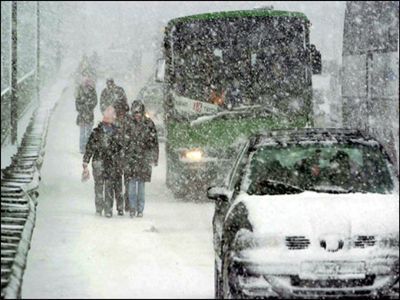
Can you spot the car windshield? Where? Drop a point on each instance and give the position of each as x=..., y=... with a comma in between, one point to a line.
x=336, y=168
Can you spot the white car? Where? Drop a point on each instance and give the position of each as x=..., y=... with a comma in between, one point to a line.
x=308, y=214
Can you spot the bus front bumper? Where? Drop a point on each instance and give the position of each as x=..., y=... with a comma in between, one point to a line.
x=199, y=174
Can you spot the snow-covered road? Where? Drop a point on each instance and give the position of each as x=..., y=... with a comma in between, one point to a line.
x=74, y=254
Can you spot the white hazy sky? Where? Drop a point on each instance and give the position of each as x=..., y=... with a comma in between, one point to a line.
x=326, y=16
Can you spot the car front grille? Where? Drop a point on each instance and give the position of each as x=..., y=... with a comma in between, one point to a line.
x=363, y=241
x=297, y=242
x=332, y=283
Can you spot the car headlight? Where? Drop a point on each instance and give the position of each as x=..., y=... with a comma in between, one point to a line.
x=246, y=239
x=271, y=242
x=193, y=155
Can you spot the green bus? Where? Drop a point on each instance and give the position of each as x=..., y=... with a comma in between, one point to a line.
x=227, y=75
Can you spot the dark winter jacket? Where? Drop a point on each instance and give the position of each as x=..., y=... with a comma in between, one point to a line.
x=85, y=102
x=116, y=97
x=141, y=149
x=104, y=145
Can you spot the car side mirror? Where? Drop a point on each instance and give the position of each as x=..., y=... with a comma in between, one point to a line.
x=316, y=62
x=160, y=71
x=218, y=193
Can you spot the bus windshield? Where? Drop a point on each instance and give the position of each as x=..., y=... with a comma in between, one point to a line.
x=239, y=58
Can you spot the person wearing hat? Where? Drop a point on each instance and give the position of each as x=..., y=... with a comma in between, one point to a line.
x=85, y=102
x=141, y=153
x=104, y=148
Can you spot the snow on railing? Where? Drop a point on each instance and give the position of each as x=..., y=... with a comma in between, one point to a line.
x=29, y=74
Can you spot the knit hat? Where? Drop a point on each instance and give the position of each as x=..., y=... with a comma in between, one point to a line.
x=137, y=107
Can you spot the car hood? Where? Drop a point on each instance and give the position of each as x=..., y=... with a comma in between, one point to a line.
x=315, y=214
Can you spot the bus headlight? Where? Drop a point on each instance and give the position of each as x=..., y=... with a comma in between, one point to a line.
x=192, y=155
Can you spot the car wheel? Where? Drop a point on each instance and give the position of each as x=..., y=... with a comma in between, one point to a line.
x=217, y=282
x=228, y=277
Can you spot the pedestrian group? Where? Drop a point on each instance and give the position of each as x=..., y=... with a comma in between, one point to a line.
x=123, y=147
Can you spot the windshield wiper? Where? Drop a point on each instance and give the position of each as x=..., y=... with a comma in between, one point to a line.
x=277, y=187
x=276, y=182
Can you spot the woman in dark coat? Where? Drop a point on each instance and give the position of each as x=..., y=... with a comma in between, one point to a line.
x=141, y=152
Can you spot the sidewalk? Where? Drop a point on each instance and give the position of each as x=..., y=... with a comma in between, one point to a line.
x=74, y=254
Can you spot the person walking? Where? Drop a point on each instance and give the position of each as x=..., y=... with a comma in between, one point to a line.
x=85, y=102
x=115, y=95
x=104, y=149
x=141, y=153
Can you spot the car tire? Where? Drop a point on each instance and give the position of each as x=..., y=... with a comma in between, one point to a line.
x=217, y=282
x=228, y=292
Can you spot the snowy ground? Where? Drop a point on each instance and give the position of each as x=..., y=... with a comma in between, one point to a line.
x=74, y=254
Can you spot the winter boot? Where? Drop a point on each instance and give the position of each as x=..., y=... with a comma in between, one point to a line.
x=109, y=215
x=120, y=212
x=140, y=215
x=132, y=213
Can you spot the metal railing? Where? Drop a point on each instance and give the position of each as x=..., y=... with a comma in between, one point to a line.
x=26, y=88
x=19, y=193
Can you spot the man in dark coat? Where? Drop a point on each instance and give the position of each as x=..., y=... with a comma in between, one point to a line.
x=141, y=152
x=104, y=148
x=85, y=102
x=115, y=95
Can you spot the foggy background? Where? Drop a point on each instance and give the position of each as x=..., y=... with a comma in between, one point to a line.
x=70, y=29
x=139, y=24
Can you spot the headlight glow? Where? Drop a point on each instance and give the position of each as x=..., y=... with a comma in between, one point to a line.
x=194, y=155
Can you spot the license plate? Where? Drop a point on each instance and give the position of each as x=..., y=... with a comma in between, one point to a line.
x=332, y=269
